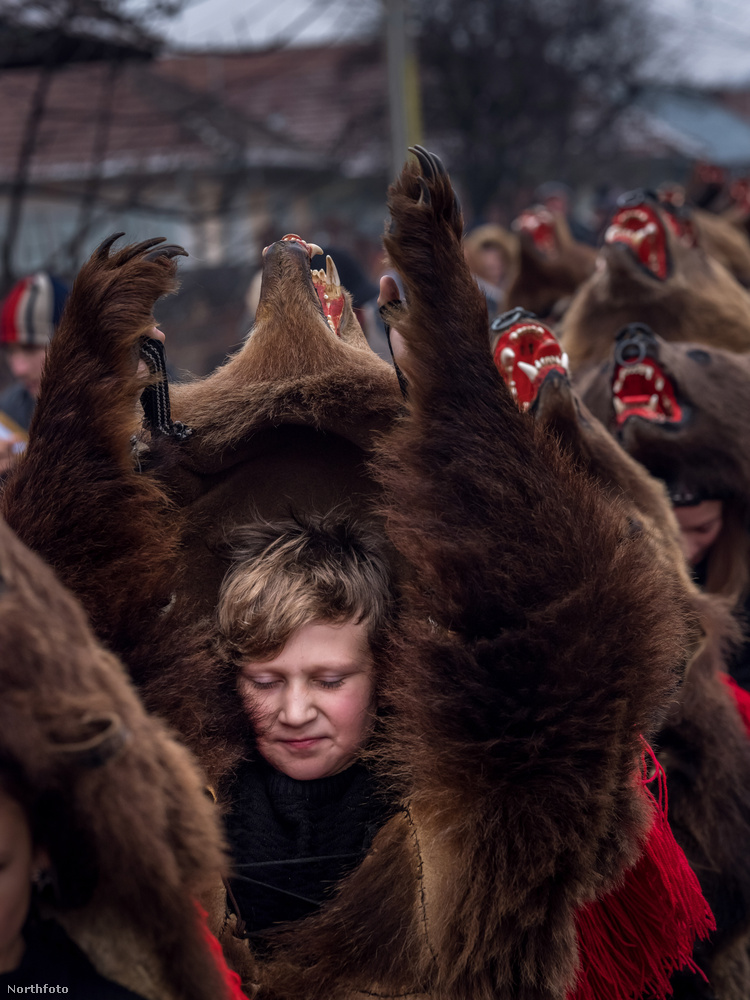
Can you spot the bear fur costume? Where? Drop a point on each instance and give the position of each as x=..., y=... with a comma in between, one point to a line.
x=680, y=410
x=646, y=274
x=133, y=839
x=513, y=742
x=552, y=265
x=480, y=630
x=694, y=436
x=718, y=236
x=702, y=744
x=141, y=536
x=726, y=243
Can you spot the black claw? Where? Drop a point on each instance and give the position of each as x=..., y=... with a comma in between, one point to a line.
x=103, y=249
x=424, y=192
x=168, y=251
x=437, y=165
x=139, y=249
x=425, y=161
x=432, y=165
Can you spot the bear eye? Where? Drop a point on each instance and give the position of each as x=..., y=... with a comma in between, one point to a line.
x=700, y=357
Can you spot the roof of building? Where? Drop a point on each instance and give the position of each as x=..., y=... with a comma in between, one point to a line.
x=301, y=108
x=697, y=125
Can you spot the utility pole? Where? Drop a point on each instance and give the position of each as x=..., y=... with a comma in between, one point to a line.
x=403, y=85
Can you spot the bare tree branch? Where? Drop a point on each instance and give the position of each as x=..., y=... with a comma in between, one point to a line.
x=519, y=88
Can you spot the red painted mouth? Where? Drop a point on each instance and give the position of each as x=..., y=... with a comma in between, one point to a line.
x=640, y=229
x=643, y=389
x=539, y=224
x=524, y=355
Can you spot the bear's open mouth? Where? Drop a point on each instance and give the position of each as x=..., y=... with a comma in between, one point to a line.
x=539, y=224
x=326, y=283
x=328, y=286
x=642, y=388
x=640, y=229
x=524, y=355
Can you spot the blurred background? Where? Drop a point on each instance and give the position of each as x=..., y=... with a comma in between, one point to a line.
x=224, y=124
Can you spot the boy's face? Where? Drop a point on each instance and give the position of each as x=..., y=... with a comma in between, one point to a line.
x=313, y=704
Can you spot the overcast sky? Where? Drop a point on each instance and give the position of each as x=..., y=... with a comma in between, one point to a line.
x=708, y=40
x=263, y=22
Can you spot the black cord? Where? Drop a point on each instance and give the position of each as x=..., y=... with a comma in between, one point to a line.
x=297, y=861
x=157, y=411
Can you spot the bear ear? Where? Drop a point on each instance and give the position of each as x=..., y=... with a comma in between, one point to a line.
x=90, y=741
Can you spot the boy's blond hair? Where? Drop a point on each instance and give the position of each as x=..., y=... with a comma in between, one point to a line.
x=291, y=572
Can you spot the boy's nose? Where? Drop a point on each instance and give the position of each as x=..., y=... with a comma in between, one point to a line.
x=298, y=707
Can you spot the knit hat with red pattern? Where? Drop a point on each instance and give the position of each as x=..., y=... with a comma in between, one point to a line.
x=32, y=310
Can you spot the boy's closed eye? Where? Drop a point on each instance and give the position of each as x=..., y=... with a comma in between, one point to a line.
x=262, y=684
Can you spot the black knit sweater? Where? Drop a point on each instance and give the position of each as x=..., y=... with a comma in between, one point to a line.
x=292, y=841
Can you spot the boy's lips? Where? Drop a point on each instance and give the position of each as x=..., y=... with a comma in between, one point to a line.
x=303, y=744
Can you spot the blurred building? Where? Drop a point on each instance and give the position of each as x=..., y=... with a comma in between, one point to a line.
x=211, y=149
x=218, y=152
x=223, y=152
x=681, y=124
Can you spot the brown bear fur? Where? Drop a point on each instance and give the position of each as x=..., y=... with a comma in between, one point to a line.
x=702, y=744
x=543, y=283
x=287, y=424
x=724, y=242
x=133, y=837
x=699, y=301
x=512, y=732
x=705, y=455
x=707, y=452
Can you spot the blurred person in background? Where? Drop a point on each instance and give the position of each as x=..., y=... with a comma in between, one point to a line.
x=492, y=254
x=557, y=197
x=34, y=950
x=29, y=318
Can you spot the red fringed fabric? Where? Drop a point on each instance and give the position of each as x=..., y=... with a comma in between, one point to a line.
x=631, y=940
x=741, y=699
x=232, y=981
